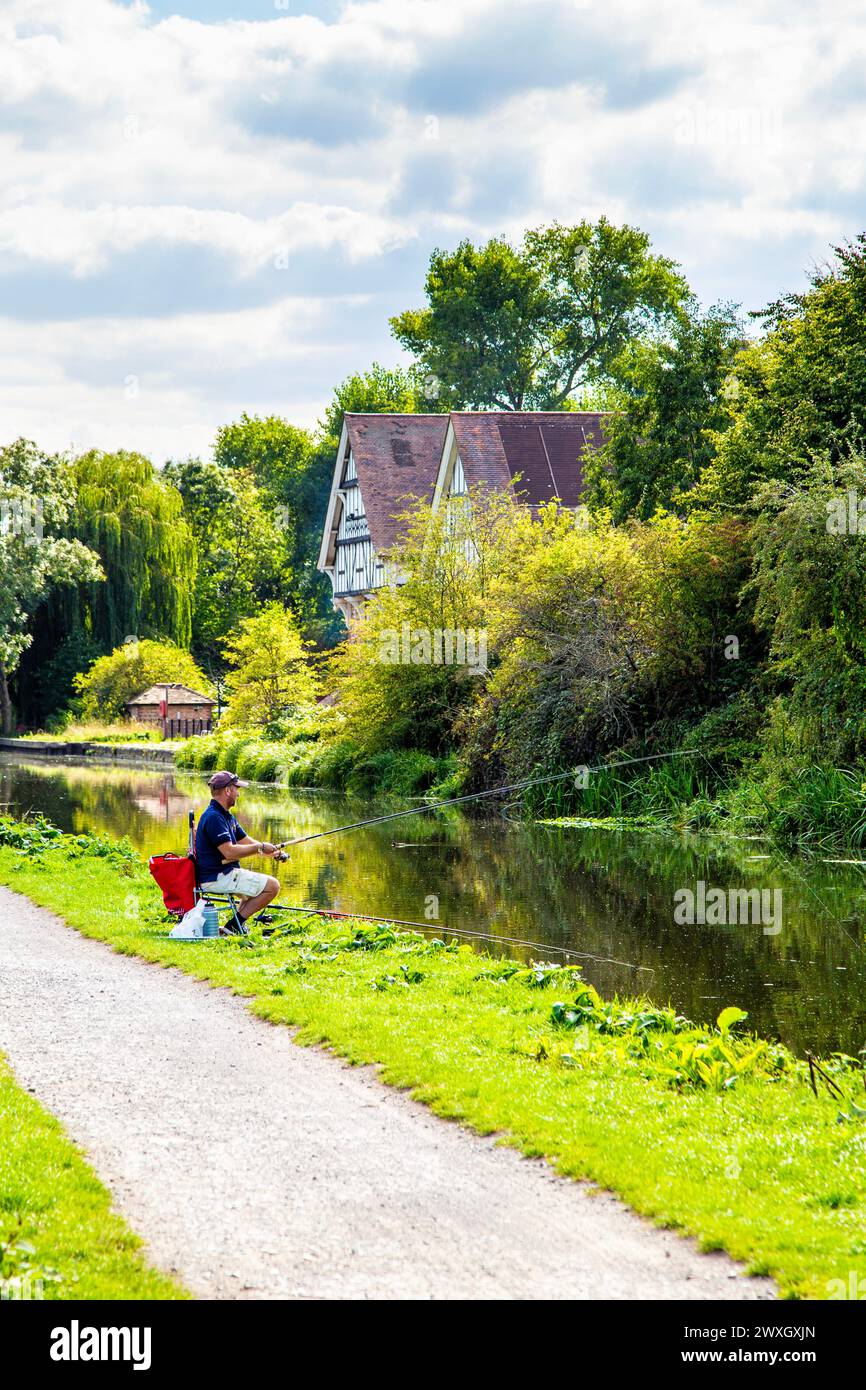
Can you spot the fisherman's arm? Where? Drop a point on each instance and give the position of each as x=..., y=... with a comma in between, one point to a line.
x=244, y=848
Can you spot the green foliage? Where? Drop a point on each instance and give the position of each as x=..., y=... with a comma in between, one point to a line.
x=598, y=632
x=810, y=587
x=328, y=765
x=404, y=772
x=379, y=391
x=233, y=746
x=670, y=411
x=245, y=553
x=35, y=835
x=800, y=392
x=665, y=1045
x=131, y=669
x=449, y=559
x=271, y=675
x=31, y=836
x=134, y=521
x=123, y=512
x=292, y=473
x=36, y=558
x=518, y=329
x=806, y=805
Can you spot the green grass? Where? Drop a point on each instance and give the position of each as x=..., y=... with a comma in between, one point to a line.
x=121, y=731
x=56, y=1222
x=712, y=1135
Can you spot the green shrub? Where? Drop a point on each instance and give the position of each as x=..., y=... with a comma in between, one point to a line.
x=331, y=765
x=246, y=759
x=202, y=752
x=184, y=756
x=372, y=774
x=269, y=764
x=208, y=754
x=232, y=748
x=450, y=781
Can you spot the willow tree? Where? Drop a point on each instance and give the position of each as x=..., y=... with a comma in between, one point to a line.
x=133, y=519
x=135, y=523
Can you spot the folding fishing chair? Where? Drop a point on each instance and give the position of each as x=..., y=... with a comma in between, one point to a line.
x=234, y=924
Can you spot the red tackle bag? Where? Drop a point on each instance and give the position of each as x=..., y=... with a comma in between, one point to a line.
x=175, y=875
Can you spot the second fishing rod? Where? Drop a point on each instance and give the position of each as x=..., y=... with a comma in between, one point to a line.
x=481, y=796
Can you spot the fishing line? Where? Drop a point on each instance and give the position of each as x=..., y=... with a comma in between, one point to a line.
x=495, y=791
x=473, y=935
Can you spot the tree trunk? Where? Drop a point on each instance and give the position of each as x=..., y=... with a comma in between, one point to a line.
x=5, y=704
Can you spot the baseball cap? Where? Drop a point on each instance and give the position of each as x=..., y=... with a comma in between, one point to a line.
x=220, y=780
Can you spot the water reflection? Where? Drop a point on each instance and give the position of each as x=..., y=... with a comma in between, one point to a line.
x=608, y=895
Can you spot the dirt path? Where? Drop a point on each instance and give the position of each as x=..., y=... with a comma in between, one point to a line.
x=259, y=1169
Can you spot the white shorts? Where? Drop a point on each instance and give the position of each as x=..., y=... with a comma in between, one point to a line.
x=245, y=882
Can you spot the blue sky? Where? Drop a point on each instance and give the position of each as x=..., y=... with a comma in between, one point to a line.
x=211, y=206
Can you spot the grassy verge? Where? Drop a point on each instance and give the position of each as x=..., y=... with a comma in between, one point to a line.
x=59, y=1237
x=708, y=1131
x=335, y=764
x=119, y=732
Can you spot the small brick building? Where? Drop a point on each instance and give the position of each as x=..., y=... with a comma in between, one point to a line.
x=185, y=711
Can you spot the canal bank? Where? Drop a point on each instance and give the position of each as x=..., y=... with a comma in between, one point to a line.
x=709, y=1131
x=126, y=754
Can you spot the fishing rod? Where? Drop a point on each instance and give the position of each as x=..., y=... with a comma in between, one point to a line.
x=479, y=796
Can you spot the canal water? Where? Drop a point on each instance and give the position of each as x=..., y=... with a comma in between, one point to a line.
x=608, y=895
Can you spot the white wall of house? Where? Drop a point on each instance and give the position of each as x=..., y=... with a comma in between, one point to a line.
x=348, y=556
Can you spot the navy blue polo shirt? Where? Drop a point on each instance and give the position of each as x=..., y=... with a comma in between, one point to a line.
x=216, y=827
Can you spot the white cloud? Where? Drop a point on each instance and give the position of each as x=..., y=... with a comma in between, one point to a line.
x=185, y=160
x=85, y=239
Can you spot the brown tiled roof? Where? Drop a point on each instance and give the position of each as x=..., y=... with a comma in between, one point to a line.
x=177, y=695
x=397, y=458
x=545, y=448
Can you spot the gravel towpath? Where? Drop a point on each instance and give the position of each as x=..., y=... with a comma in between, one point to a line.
x=255, y=1168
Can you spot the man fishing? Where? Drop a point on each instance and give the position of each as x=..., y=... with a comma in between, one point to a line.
x=221, y=843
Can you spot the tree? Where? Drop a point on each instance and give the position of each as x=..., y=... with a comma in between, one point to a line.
x=36, y=495
x=277, y=456
x=123, y=511
x=519, y=329
x=271, y=675
x=393, y=691
x=810, y=591
x=604, y=633
x=799, y=394
x=243, y=560
x=669, y=413
x=379, y=391
x=126, y=513
x=294, y=476
x=113, y=680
